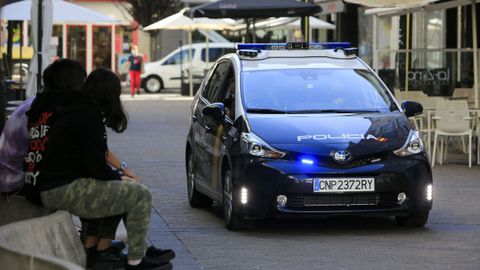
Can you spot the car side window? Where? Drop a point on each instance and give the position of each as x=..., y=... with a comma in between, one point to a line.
x=179, y=57
x=215, y=53
x=213, y=90
x=229, y=95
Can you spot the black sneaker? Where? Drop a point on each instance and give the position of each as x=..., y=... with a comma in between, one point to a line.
x=117, y=246
x=109, y=259
x=146, y=265
x=91, y=255
x=159, y=255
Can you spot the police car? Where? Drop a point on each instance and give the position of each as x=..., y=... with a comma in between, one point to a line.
x=304, y=129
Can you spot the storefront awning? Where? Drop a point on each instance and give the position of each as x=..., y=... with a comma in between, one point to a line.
x=390, y=3
x=396, y=11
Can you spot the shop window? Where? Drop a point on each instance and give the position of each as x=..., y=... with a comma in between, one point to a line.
x=56, y=47
x=76, y=43
x=102, y=47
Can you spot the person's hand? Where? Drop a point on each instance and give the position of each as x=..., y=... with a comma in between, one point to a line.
x=129, y=179
x=131, y=174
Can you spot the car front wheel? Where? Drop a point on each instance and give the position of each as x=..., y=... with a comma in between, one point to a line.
x=233, y=220
x=153, y=84
x=195, y=198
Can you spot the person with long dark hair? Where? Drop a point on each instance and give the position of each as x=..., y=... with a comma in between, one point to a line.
x=67, y=159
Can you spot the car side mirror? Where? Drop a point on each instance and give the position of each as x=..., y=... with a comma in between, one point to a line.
x=215, y=111
x=412, y=108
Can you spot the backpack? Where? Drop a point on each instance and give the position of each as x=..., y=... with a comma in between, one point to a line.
x=13, y=147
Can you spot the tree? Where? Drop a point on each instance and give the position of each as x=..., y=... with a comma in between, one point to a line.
x=146, y=12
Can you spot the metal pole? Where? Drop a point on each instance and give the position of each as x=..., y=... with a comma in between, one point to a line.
x=207, y=51
x=475, y=51
x=305, y=26
x=374, y=44
x=180, y=44
x=39, y=47
x=407, y=58
x=190, y=75
x=459, y=43
x=22, y=91
x=254, y=31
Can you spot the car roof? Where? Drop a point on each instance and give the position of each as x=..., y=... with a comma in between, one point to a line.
x=298, y=55
x=301, y=62
x=210, y=45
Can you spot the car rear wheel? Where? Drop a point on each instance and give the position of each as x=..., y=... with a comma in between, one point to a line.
x=413, y=220
x=233, y=220
x=195, y=198
x=153, y=84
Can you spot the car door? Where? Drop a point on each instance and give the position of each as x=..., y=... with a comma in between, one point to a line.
x=224, y=136
x=170, y=69
x=208, y=129
x=215, y=134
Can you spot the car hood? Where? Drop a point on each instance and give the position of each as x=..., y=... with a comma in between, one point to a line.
x=320, y=134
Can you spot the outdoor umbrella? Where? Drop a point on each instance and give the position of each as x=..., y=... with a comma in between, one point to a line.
x=179, y=21
x=252, y=9
x=63, y=11
x=44, y=43
x=238, y=9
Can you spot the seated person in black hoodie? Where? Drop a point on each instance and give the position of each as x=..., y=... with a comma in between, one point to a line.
x=66, y=161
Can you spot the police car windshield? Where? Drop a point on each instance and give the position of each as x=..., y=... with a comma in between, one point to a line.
x=314, y=91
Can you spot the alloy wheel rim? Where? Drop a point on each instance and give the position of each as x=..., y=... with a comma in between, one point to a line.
x=227, y=196
x=153, y=84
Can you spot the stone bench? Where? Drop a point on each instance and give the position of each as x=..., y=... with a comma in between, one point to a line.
x=33, y=237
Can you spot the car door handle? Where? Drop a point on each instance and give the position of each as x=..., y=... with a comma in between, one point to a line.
x=207, y=127
x=194, y=118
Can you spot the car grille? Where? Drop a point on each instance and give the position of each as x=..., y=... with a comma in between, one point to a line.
x=341, y=200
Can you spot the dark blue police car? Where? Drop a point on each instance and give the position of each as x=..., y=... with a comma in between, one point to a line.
x=304, y=129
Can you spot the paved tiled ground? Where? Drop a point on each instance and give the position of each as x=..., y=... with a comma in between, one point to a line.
x=153, y=146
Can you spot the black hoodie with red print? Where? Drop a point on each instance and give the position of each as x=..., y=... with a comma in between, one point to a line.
x=67, y=140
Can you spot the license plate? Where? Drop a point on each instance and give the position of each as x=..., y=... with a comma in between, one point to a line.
x=343, y=184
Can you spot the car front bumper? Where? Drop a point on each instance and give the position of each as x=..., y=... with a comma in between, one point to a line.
x=265, y=180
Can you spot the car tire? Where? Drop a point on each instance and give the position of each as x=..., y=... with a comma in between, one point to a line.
x=233, y=220
x=152, y=84
x=413, y=220
x=195, y=198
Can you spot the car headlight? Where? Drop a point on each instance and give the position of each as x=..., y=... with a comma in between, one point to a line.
x=255, y=146
x=414, y=145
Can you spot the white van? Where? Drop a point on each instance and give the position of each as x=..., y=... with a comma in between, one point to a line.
x=165, y=73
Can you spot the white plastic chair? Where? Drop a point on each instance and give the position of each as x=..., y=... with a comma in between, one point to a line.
x=467, y=93
x=452, y=119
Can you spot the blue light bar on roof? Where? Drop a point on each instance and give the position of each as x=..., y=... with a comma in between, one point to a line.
x=294, y=46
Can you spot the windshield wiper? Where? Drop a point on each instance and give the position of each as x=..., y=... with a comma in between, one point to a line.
x=273, y=111
x=334, y=111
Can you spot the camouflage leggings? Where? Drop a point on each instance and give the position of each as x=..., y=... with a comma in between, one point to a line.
x=90, y=198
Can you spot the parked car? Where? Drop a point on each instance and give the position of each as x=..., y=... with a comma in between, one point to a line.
x=299, y=129
x=165, y=73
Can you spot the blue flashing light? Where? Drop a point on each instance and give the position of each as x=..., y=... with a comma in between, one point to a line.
x=294, y=46
x=307, y=161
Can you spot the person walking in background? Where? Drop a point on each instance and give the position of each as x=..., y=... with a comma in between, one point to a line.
x=135, y=67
